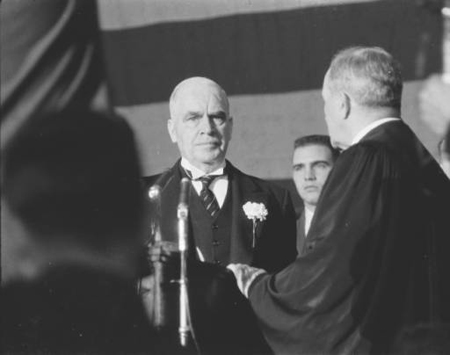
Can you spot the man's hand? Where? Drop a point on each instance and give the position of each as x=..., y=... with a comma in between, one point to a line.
x=245, y=275
x=162, y=252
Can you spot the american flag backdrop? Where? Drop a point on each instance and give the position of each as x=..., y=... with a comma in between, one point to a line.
x=270, y=56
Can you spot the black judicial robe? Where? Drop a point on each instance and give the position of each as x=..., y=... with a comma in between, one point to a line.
x=377, y=255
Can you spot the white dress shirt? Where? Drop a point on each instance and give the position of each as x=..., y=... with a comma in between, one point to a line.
x=308, y=218
x=219, y=185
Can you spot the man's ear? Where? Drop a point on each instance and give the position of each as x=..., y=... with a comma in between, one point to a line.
x=171, y=130
x=346, y=105
x=231, y=127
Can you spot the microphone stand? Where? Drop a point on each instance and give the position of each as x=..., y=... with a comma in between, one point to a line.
x=159, y=318
x=182, y=214
x=445, y=11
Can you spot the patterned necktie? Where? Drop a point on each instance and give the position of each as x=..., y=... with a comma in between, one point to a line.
x=207, y=196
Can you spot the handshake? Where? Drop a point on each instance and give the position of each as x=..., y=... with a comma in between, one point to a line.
x=166, y=255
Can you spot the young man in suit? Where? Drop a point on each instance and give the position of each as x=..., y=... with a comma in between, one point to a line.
x=312, y=161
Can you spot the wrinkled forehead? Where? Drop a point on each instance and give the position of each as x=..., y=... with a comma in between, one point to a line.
x=198, y=97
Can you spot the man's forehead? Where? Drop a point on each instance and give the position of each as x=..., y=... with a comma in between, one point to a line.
x=312, y=152
x=195, y=97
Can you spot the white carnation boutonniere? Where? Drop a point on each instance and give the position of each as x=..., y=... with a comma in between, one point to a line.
x=256, y=212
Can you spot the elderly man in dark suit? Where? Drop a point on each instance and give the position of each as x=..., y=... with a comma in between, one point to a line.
x=378, y=244
x=233, y=217
x=221, y=230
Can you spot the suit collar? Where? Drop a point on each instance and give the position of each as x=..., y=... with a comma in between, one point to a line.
x=196, y=172
x=242, y=189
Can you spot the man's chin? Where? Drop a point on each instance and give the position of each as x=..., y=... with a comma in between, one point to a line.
x=210, y=157
x=310, y=199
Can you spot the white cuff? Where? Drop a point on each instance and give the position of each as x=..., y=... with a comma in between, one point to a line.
x=250, y=281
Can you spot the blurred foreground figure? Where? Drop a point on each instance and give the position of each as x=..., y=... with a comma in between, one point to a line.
x=434, y=101
x=50, y=59
x=378, y=246
x=71, y=190
x=420, y=339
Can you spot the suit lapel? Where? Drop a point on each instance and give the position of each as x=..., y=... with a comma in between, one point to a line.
x=243, y=190
x=301, y=233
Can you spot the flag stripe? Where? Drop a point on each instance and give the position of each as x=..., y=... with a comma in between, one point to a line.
x=264, y=130
x=120, y=14
x=265, y=52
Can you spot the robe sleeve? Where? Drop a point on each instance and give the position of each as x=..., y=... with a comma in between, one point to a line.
x=323, y=301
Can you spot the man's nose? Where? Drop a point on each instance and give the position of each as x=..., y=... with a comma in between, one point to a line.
x=309, y=174
x=206, y=124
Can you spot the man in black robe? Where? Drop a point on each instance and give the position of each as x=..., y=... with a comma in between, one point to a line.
x=378, y=249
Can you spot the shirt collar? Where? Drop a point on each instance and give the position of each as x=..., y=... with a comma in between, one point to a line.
x=196, y=172
x=360, y=135
x=308, y=212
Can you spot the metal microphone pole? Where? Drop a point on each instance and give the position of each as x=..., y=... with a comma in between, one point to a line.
x=159, y=316
x=182, y=214
x=446, y=42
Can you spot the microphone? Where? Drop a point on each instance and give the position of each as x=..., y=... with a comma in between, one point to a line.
x=158, y=303
x=182, y=214
x=154, y=193
x=160, y=184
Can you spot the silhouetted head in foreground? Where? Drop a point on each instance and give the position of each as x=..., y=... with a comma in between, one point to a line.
x=71, y=193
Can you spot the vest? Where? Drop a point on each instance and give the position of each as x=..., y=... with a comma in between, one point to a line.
x=211, y=235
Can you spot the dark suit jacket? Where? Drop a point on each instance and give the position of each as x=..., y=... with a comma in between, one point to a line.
x=275, y=237
x=221, y=316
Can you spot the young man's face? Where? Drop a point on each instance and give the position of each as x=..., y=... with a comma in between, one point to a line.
x=311, y=165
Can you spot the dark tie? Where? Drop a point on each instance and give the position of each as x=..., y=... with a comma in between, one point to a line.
x=207, y=196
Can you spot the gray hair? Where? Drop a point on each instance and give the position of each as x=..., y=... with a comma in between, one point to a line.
x=370, y=75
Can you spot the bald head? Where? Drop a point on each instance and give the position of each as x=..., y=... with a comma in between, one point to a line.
x=194, y=86
x=200, y=122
